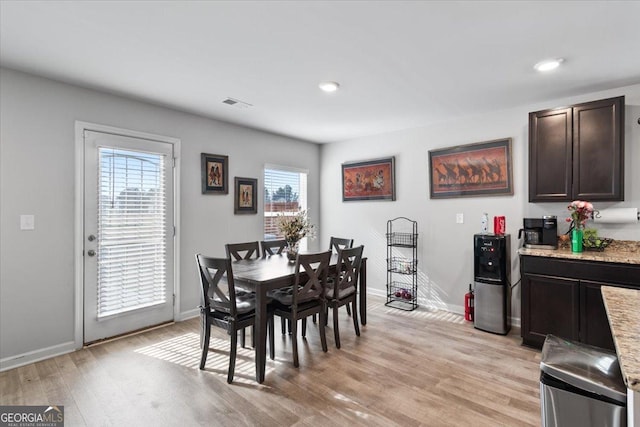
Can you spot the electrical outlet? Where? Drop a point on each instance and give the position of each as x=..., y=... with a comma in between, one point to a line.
x=459, y=218
x=27, y=222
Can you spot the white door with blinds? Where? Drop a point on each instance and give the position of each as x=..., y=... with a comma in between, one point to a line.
x=128, y=234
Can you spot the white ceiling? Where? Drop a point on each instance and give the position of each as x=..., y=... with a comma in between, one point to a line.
x=400, y=64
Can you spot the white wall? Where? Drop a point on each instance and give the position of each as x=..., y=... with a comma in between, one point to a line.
x=37, y=177
x=445, y=252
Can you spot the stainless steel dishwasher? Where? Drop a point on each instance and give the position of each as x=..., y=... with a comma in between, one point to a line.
x=581, y=386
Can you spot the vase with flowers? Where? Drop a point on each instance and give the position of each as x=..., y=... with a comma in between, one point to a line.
x=580, y=212
x=293, y=228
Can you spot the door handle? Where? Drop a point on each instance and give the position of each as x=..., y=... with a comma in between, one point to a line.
x=91, y=252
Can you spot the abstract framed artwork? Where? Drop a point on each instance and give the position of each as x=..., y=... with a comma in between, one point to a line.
x=369, y=180
x=480, y=169
x=215, y=173
x=246, y=196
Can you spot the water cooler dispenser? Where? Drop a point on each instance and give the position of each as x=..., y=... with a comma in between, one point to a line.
x=492, y=271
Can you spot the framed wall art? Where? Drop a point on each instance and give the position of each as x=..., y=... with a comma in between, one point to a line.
x=246, y=196
x=480, y=169
x=215, y=173
x=369, y=180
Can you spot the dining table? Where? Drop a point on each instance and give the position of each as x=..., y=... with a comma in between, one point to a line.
x=273, y=272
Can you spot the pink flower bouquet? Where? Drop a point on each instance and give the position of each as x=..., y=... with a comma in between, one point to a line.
x=580, y=212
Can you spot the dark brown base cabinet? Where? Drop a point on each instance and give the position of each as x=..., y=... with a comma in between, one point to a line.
x=562, y=297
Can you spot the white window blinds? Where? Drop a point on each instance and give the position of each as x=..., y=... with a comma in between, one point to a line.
x=285, y=193
x=131, y=230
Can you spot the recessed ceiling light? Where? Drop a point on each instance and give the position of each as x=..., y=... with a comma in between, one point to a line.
x=548, y=64
x=329, y=86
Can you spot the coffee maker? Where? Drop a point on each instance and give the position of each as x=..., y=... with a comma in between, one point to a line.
x=540, y=233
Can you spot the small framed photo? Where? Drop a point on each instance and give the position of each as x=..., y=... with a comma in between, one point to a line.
x=215, y=173
x=369, y=180
x=246, y=196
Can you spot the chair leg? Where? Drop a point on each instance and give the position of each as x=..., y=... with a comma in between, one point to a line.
x=242, y=338
x=289, y=325
x=253, y=336
x=203, y=324
x=232, y=355
x=283, y=325
x=272, y=349
x=205, y=346
x=336, y=331
x=356, y=325
x=348, y=310
x=304, y=327
x=294, y=341
x=314, y=318
x=323, y=322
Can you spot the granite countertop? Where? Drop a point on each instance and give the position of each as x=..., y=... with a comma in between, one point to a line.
x=624, y=318
x=619, y=251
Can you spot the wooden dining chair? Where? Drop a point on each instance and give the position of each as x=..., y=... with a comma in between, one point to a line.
x=241, y=251
x=337, y=243
x=224, y=307
x=342, y=287
x=305, y=297
x=275, y=247
x=272, y=247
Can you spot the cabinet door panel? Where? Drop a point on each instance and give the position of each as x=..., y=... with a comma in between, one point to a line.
x=550, y=155
x=594, y=325
x=598, y=150
x=549, y=306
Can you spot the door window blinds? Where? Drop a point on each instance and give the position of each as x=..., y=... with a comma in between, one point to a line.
x=131, y=231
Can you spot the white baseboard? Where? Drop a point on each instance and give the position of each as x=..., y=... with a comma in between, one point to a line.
x=189, y=314
x=12, y=362
x=452, y=308
x=16, y=361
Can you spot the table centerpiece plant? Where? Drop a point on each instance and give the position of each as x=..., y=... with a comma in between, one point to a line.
x=293, y=228
x=580, y=212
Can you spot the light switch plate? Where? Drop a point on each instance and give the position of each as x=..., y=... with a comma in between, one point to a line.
x=27, y=222
x=459, y=218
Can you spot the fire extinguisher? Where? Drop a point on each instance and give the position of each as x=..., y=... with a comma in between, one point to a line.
x=468, y=305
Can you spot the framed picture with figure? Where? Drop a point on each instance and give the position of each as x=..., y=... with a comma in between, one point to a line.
x=369, y=180
x=246, y=196
x=215, y=173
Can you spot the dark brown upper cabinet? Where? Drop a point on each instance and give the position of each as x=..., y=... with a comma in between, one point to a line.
x=577, y=152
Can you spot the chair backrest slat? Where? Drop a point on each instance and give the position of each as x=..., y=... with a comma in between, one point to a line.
x=311, y=276
x=337, y=243
x=240, y=251
x=272, y=247
x=215, y=272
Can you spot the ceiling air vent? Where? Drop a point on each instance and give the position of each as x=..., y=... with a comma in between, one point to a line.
x=236, y=103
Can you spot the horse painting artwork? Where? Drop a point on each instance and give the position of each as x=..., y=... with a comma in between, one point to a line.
x=477, y=169
x=369, y=180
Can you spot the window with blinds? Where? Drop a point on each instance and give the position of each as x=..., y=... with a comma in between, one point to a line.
x=285, y=193
x=131, y=230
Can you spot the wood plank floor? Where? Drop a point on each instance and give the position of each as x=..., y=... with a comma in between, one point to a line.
x=420, y=368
